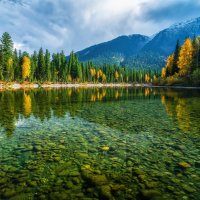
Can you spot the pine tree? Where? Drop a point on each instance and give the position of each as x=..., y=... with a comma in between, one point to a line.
x=6, y=56
x=16, y=68
x=47, y=76
x=34, y=63
x=40, y=73
x=1, y=63
x=175, y=68
x=196, y=49
x=199, y=54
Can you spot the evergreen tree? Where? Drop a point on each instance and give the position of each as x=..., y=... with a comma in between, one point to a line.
x=196, y=49
x=1, y=63
x=6, y=56
x=34, y=63
x=40, y=73
x=175, y=68
x=63, y=67
x=47, y=72
x=16, y=67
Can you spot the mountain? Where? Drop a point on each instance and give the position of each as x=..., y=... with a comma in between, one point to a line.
x=164, y=42
x=139, y=50
x=114, y=51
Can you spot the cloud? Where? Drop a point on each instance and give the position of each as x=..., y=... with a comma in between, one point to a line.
x=177, y=10
x=72, y=25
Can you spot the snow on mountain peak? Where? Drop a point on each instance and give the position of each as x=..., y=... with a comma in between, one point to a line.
x=185, y=23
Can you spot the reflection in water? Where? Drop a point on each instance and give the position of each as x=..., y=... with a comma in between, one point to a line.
x=27, y=103
x=40, y=103
x=182, y=106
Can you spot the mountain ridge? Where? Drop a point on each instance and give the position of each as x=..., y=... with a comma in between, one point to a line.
x=138, y=50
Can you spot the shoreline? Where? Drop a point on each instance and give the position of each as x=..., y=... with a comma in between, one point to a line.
x=17, y=86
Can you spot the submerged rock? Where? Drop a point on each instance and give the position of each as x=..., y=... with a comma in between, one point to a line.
x=184, y=165
x=150, y=194
x=93, y=179
x=188, y=188
x=99, y=180
x=9, y=192
x=105, y=192
x=105, y=148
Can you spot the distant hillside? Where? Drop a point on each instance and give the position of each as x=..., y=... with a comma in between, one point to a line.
x=114, y=51
x=140, y=51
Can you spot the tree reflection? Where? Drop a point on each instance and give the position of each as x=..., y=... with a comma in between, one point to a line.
x=181, y=104
x=43, y=103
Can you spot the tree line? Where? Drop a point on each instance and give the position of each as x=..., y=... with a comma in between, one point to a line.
x=43, y=67
x=183, y=66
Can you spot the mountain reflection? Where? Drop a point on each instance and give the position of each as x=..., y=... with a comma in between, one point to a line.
x=43, y=103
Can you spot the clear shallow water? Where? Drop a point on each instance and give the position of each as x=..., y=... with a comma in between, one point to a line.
x=100, y=144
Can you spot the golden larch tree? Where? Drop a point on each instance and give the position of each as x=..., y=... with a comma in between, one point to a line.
x=147, y=78
x=185, y=57
x=103, y=78
x=116, y=75
x=26, y=67
x=169, y=64
x=163, y=72
x=99, y=73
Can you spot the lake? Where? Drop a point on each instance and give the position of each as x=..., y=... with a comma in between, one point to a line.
x=100, y=143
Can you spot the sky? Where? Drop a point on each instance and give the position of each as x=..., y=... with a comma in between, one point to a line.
x=76, y=24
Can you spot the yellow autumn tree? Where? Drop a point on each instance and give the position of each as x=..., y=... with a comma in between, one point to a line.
x=116, y=75
x=92, y=72
x=169, y=64
x=103, y=78
x=99, y=73
x=147, y=78
x=163, y=72
x=185, y=57
x=26, y=67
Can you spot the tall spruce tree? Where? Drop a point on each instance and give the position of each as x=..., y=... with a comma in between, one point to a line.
x=47, y=76
x=1, y=63
x=175, y=68
x=6, y=54
x=196, y=45
x=16, y=68
x=40, y=73
x=34, y=63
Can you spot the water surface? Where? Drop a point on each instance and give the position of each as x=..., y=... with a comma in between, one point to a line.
x=122, y=143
